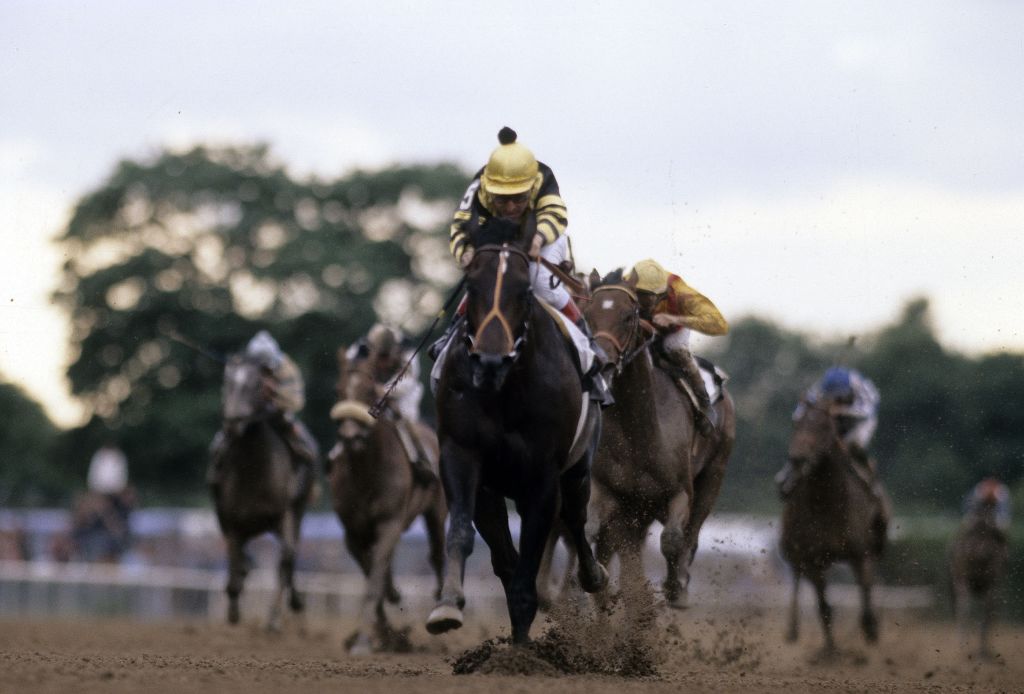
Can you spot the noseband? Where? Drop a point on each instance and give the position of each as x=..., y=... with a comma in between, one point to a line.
x=635, y=326
x=495, y=314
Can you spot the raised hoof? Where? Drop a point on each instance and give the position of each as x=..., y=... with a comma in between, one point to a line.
x=594, y=584
x=444, y=618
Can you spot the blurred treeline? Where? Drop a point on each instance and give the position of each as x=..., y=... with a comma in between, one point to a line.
x=214, y=244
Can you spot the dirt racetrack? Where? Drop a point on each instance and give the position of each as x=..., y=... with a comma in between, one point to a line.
x=698, y=650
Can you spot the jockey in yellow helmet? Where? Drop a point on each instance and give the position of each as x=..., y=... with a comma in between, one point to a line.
x=514, y=186
x=675, y=308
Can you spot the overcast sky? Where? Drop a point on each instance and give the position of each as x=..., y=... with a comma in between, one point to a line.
x=816, y=163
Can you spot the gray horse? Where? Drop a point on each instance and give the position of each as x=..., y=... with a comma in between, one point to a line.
x=256, y=488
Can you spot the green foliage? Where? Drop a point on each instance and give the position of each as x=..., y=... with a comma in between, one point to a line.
x=214, y=244
x=28, y=474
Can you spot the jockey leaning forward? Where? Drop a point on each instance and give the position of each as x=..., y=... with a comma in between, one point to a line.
x=855, y=402
x=386, y=355
x=514, y=187
x=675, y=309
x=286, y=391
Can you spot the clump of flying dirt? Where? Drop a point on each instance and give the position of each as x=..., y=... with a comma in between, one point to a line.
x=733, y=645
x=387, y=639
x=622, y=639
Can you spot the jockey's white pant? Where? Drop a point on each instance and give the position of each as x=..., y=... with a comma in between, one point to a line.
x=541, y=277
x=408, y=402
x=679, y=341
x=862, y=432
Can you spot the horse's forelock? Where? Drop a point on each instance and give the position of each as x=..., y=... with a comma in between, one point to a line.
x=613, y=277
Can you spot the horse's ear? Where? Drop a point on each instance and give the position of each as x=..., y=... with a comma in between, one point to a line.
x=630, y=279
x=595, y=278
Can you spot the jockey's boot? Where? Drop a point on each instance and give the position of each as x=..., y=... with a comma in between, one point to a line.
x=434, y=351
x=218, y=447
x=422, y=470
x=690, y=373
x=303, y=446
x=785, y=480
x=593, y=380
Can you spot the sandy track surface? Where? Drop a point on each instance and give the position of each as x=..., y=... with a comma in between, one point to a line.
x=697, y=651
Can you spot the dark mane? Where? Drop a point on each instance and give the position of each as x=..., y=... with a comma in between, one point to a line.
x=498, y=231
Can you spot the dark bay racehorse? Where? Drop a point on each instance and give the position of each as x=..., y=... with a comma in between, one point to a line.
x=376, y=496
x=830, y=516
x=651, y=464
x=257, y=489
x=977, y=564
x=509, y=404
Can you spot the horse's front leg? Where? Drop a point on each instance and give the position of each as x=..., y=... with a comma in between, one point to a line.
x=865, y=573
x=460, y=473
x=237, y=569
x=288, y=534
x=793, y=631
x=538, y=515
x=372, y=617
x=674, y=549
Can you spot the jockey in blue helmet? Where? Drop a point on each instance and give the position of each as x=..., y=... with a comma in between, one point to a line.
x=855, y=406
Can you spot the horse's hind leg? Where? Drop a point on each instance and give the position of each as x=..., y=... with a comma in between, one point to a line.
x=793, y=632
x=674, y=549
x=705, y=492
x=575, y=487
x=817, y=577
x=237, y=568
x=865, y=573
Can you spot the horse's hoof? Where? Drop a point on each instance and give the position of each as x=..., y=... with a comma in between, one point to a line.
x=444, y=618
x=393, y=596
x=679, y=601
x=297, y=603
x=361, y=646
x=594, y=584
x=791, y=636
x=233, y=614
x=676, y=596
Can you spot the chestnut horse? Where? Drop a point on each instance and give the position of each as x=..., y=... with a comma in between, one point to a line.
x=376, y=496
x=513, y=423
x=651, y=464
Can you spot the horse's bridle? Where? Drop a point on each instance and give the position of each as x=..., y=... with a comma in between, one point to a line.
x=636, y=327
x=495, y=314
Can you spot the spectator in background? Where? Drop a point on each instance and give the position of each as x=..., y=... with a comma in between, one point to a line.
x=100, y=518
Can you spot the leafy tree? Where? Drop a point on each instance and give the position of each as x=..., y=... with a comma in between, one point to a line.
x=214, y=244
x=27, y=437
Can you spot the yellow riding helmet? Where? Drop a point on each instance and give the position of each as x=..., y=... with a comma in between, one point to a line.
x=512, y=168
x=650, y=277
